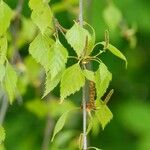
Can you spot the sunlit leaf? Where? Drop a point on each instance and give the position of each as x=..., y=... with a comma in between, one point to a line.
x=72, y=80
x=2, y=72
x=2, y=134
x=91, y=41
x=58, y=58
x=103, y=113
x=102, y=80
x=5, y=17
x=115, y=51
x=3, y=49
x=77, y=37
x=33, y=4
x=40, y=49
x=10, y=82
x=60, y=124
x=41, y=14
x=89, y=75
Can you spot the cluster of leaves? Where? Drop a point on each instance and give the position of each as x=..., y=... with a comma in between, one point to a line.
x=47, y=50
x=8, y=76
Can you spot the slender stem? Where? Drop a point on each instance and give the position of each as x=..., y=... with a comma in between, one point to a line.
x=81, y=12
x=3, y=109
x=84, y=88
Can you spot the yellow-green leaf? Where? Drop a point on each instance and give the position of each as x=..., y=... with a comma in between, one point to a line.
x=78, y=37
x=51, y=83
x=41, y=15
x=40, y=49
x=3, y=49
x=102, y=80
x=89, y=75
x=5, y=17
x=10, y=82
x=60, y=124
x=91, y=40
x=34, y=4
x=103, y=113
x=115, y=51
x=2, y=134
x=2, y=72
x=72, y=80
x=58, y=58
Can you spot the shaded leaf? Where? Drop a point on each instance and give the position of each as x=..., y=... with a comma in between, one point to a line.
x=2, y=134
x=72, y=80
x=102, y=80
x=103, y=113
x=89, y=75
x=40, y=49
x=10, y=82
x=5, y=17
x=115, y=51
x=76, y=37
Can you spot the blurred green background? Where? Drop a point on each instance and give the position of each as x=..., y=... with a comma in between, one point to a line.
x=128, y=22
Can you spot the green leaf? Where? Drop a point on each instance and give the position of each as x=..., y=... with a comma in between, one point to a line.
x=41, y=15
x=89, y=75
x=103, y=113
x=34, y=4
x=91, y=40
x=115, y=51
x=2, y=134
x=76, y=37
x=40, y=49
x=51, y=83
x=102, y=80
x=28, y=27
x=3, y=49
x=10, y=82
x=60, y=124
x=58, y=58
x=2, y=72
x=112, y=16
x=5, y=17
x=72, y=80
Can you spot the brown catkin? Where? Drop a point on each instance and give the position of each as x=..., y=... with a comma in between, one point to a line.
x=92, y=95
